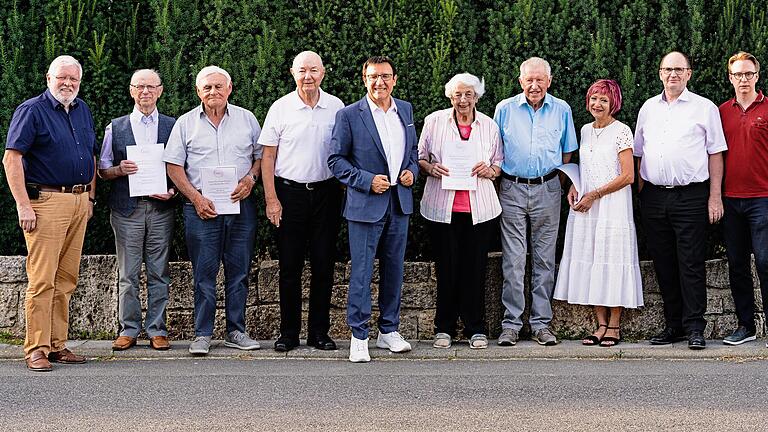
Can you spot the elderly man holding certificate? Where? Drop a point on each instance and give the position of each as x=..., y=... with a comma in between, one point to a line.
x=141, y=210
x=460, y=149
x=214, y=159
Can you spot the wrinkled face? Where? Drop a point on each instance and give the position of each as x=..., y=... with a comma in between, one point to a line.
x=145, y=90
x=308, y=72
x=64, y=83
x=741, y=84
x=464, y=99
x=535, y=83
x=214, y=91
x=600, y=106
x=379, y=80
x=674, y=72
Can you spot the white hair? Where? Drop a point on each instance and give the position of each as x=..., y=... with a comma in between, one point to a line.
x=143, y=71
x=304, y=54
x=534, y=62
x=64, y=60
x=477, y=84
x=210, y=70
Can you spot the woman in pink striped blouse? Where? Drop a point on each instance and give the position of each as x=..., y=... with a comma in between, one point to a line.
x=461, y=217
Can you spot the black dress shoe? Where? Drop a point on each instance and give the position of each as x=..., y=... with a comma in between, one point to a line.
x=696, y=340
x=321, y=342
x=285, y=344
x=668, y=336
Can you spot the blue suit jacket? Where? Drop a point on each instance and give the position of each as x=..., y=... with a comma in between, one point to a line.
x=357, y=156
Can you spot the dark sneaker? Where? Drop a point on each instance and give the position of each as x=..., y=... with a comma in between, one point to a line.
x=508, y=337
x=739, y=336
x=545, y=336
x=696, y=340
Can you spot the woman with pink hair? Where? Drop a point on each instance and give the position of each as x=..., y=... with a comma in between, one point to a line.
x=600, y=265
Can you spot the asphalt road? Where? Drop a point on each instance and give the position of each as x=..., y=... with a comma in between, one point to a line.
x=387, y=395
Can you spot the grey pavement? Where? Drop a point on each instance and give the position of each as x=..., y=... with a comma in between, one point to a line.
x=248, y=393
x=423, y=350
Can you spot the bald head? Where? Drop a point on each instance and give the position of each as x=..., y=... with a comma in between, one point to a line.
x=674, y=72
x=307, y=57
x=308, y=72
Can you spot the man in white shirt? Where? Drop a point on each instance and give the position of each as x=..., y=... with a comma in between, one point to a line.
x=143, y=226
x=303, y=199
x=679, y=143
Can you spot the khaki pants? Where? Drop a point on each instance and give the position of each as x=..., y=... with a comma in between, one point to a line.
x=53, y=264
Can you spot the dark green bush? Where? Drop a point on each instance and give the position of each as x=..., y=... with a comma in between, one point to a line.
x=430, y=40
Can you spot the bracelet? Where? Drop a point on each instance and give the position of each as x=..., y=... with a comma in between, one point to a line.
x=92, y=200
x=597, y=191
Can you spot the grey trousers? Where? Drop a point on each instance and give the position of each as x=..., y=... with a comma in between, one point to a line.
x=145, y=236
x=539, y=206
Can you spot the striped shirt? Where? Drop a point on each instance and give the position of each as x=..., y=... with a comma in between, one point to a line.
x=439, y=128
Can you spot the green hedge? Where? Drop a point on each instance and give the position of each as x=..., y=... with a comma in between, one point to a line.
x=430, y=40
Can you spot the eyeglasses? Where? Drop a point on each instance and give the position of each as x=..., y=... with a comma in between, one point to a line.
x=469, y=95
x=375, y=77
x=677, y=70
x=71, y=79
x=743, y=75
x=147, y=87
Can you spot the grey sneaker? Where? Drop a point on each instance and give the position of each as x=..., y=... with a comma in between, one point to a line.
x=240, y=340
x=200, y=346
x=739, y=336
x=544, y=336
x=508, y=337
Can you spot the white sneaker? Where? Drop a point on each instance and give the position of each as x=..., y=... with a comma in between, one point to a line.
x=358, y=350
x=393, y=341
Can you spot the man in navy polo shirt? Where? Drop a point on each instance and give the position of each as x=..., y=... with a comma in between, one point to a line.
x=50, y=165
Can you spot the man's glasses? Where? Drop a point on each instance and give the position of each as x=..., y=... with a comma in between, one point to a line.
x=375, y=77
x=147, y=87
x=677, y=70
x=744, y=75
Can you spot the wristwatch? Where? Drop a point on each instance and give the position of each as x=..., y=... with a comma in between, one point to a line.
x=253, y=177
x=92, y=200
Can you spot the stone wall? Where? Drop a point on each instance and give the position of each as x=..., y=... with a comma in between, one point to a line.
x=93, y=311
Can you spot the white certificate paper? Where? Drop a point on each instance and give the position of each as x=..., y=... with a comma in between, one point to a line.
x=150, y=178
x=572, y=171
x=459, y=157
x=218, y=184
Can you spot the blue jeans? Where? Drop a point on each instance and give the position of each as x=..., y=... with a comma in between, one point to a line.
x=228, y=239
x=745, y=228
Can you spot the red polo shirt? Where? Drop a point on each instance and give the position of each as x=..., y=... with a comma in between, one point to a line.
x=746, y=161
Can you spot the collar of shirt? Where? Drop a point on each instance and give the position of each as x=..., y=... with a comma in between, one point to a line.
x=374, y=107
x=448, y=118
x=685, y=96
x=200, y=112
x=760, y=98
x=521, y=100
x=139, y=116
x=299, y=104
x=54, y=103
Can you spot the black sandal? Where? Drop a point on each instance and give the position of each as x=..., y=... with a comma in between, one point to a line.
x=610, y=341
x=593, y=340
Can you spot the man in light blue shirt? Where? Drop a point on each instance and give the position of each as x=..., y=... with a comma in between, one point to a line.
x=538, y=136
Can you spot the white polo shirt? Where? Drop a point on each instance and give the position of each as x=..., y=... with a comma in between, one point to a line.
x=302, y=135
x=392, y=133
x=675, y=140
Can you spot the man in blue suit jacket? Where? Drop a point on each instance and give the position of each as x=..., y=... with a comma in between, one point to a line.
x=374, y=154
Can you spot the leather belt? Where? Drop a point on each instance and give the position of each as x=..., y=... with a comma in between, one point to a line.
x=307, y=186
x=530, y=181
x=74, y=189
x=675, y=186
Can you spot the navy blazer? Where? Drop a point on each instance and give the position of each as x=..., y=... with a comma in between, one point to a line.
x=357, y=156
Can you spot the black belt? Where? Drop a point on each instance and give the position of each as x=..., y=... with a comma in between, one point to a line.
x=675, y=186
x=74, y=189
x=307, y=186
x=530, y=181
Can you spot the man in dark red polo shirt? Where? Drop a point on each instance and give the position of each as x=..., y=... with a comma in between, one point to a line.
x=745, y=123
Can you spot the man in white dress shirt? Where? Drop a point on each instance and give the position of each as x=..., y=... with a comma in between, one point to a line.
x=679, y=143
x=303, y=199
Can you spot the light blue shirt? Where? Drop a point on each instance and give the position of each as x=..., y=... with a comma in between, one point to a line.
x=534, y=141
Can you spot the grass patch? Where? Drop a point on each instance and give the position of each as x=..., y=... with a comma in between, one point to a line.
x=7, y=338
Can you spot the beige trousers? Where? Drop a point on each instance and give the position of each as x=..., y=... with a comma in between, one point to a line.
x=53, y=264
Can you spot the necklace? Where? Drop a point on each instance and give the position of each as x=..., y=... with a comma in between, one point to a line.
x=597, y=134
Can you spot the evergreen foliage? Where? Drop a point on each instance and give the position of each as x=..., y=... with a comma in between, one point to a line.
x=429, y=40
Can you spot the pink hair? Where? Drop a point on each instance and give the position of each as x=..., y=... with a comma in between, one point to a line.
x=611, y=89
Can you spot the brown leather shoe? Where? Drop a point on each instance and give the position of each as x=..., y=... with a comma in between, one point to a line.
x=66, y=356
x=159, y=343
x=38, y=363
x=123, y=343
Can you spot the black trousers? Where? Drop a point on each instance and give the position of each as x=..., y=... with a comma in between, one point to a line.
x=461, y=257
x=310, y=223
x=675, y=222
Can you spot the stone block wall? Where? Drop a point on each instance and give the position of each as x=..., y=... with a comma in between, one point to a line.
x=93, y=310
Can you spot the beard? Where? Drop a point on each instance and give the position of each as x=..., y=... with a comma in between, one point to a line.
x=64, y=100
